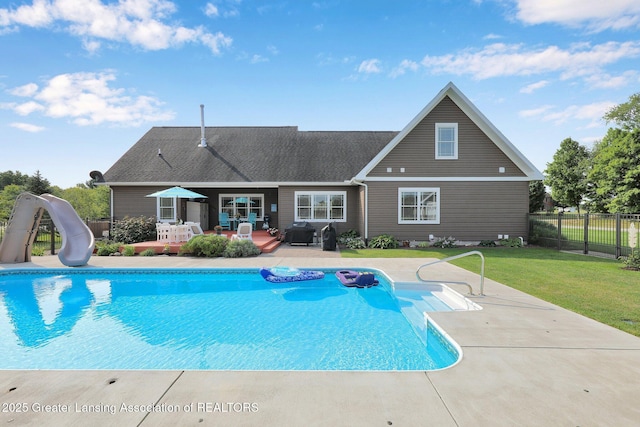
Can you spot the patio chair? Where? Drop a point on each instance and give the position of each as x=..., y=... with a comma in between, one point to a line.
x=243, y=232
x=252, y=219
x=195, y=228
x=163, y=232
x=223, y=220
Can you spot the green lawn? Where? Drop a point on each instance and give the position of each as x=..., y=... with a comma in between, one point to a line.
x=594, y=287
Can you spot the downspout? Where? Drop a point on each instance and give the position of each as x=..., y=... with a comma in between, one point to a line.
x=366, y=206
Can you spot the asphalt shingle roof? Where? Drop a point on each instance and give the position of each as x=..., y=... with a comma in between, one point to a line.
x=247, y=154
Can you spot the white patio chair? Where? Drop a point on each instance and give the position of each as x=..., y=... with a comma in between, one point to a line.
x=194, y=228
x=163, y=232
x=243, y=232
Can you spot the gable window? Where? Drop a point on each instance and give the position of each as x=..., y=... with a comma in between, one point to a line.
x=446, y=140
x=418, y=206
x=321, y=206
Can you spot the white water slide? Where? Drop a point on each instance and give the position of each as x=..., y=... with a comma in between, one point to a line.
x=77, y=238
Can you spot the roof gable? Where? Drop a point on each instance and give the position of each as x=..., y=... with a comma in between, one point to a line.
x=470, y=110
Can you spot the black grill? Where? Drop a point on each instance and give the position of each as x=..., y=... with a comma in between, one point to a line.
x=299, y=233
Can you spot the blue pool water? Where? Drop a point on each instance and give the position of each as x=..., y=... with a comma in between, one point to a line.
x=205, y=319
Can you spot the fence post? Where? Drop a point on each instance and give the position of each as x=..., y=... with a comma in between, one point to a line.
x=53, y=238
x=560, y=230
x=586, y=233
x=618, y=236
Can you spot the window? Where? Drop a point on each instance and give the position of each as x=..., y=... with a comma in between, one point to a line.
x=418, y=206
x=166, y=209
x=446, y=140
x=242, y=205
x=321, y=206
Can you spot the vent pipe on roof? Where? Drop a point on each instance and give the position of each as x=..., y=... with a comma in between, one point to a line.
x=203, y=140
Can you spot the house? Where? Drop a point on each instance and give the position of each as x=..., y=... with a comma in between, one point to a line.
x=449, y=172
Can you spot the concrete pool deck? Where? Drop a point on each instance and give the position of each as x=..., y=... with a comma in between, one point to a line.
x=526, y=362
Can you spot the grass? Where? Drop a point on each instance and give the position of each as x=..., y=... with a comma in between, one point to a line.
x=594, y=287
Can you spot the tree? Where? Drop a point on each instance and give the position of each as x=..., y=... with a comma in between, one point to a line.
x=615, y=172
x=89, y=203
x=10, y=177
x=536, y=196
x=567, y=173
x=37, y=185
x=8, y=197
x=627, y=114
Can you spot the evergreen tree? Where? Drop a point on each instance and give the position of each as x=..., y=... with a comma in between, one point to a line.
x=37, y=185
x=536, y=196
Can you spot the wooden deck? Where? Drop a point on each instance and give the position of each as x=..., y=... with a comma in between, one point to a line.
x=265, y=242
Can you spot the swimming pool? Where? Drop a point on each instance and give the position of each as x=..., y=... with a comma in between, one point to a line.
x=214, y=319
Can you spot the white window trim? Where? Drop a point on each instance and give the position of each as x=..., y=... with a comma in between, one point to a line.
x=175, y=210
x=238, y=195
x=455, y=140
x=419, y=189
x=312, y=193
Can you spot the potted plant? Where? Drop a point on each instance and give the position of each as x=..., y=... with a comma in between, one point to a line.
x=272, y=231
x=218, y=229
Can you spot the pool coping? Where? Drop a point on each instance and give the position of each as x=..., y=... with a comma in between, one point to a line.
x=526, y=362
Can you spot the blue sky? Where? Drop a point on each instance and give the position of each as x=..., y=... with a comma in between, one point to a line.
x=82, y=80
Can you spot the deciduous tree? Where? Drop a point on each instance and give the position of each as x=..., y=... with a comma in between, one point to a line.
x=567, y=173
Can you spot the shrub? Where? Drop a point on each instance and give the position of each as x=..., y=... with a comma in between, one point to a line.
x=134, y=230
x=632, y=261
x=343, y=238
x=128, y=250
x=543, y=230
x=487, y=243
x=148, y=252
x=383, y=241
x=354, y=243
x=445, y=242
x=205, y=245
x=37, y=251
x=240, y=248
x=512, y=242
x=107, y=247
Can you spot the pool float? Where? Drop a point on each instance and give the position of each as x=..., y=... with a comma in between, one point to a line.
x=286, y=274
x=351, y=278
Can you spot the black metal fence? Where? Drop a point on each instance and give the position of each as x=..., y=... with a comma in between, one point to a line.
x=48, y=238
x=610, y=235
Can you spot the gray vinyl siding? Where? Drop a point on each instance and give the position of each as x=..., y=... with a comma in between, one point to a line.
x=286, y=207
x=478, y=156
x=469, y=210
x=131, y=201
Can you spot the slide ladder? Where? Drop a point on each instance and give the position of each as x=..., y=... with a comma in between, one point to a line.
x=22, y=228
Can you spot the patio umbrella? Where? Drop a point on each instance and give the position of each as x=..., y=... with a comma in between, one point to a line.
x=177, y=192
x=242, y=200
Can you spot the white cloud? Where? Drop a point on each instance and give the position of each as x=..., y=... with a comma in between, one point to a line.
x=403, y=67
x=255, y=59
x=27, y=127
x=369, y=66
x=211, y=10
x=88, y=99
x=498, y=60
x=592, y=113
x=607, y=81
x=534, y=86
x=141, y=23
x=596, y=15
x=25, y=90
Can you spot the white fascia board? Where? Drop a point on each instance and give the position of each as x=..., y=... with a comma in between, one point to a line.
x=476, y=116
x=228, y=184
x=447, y=178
